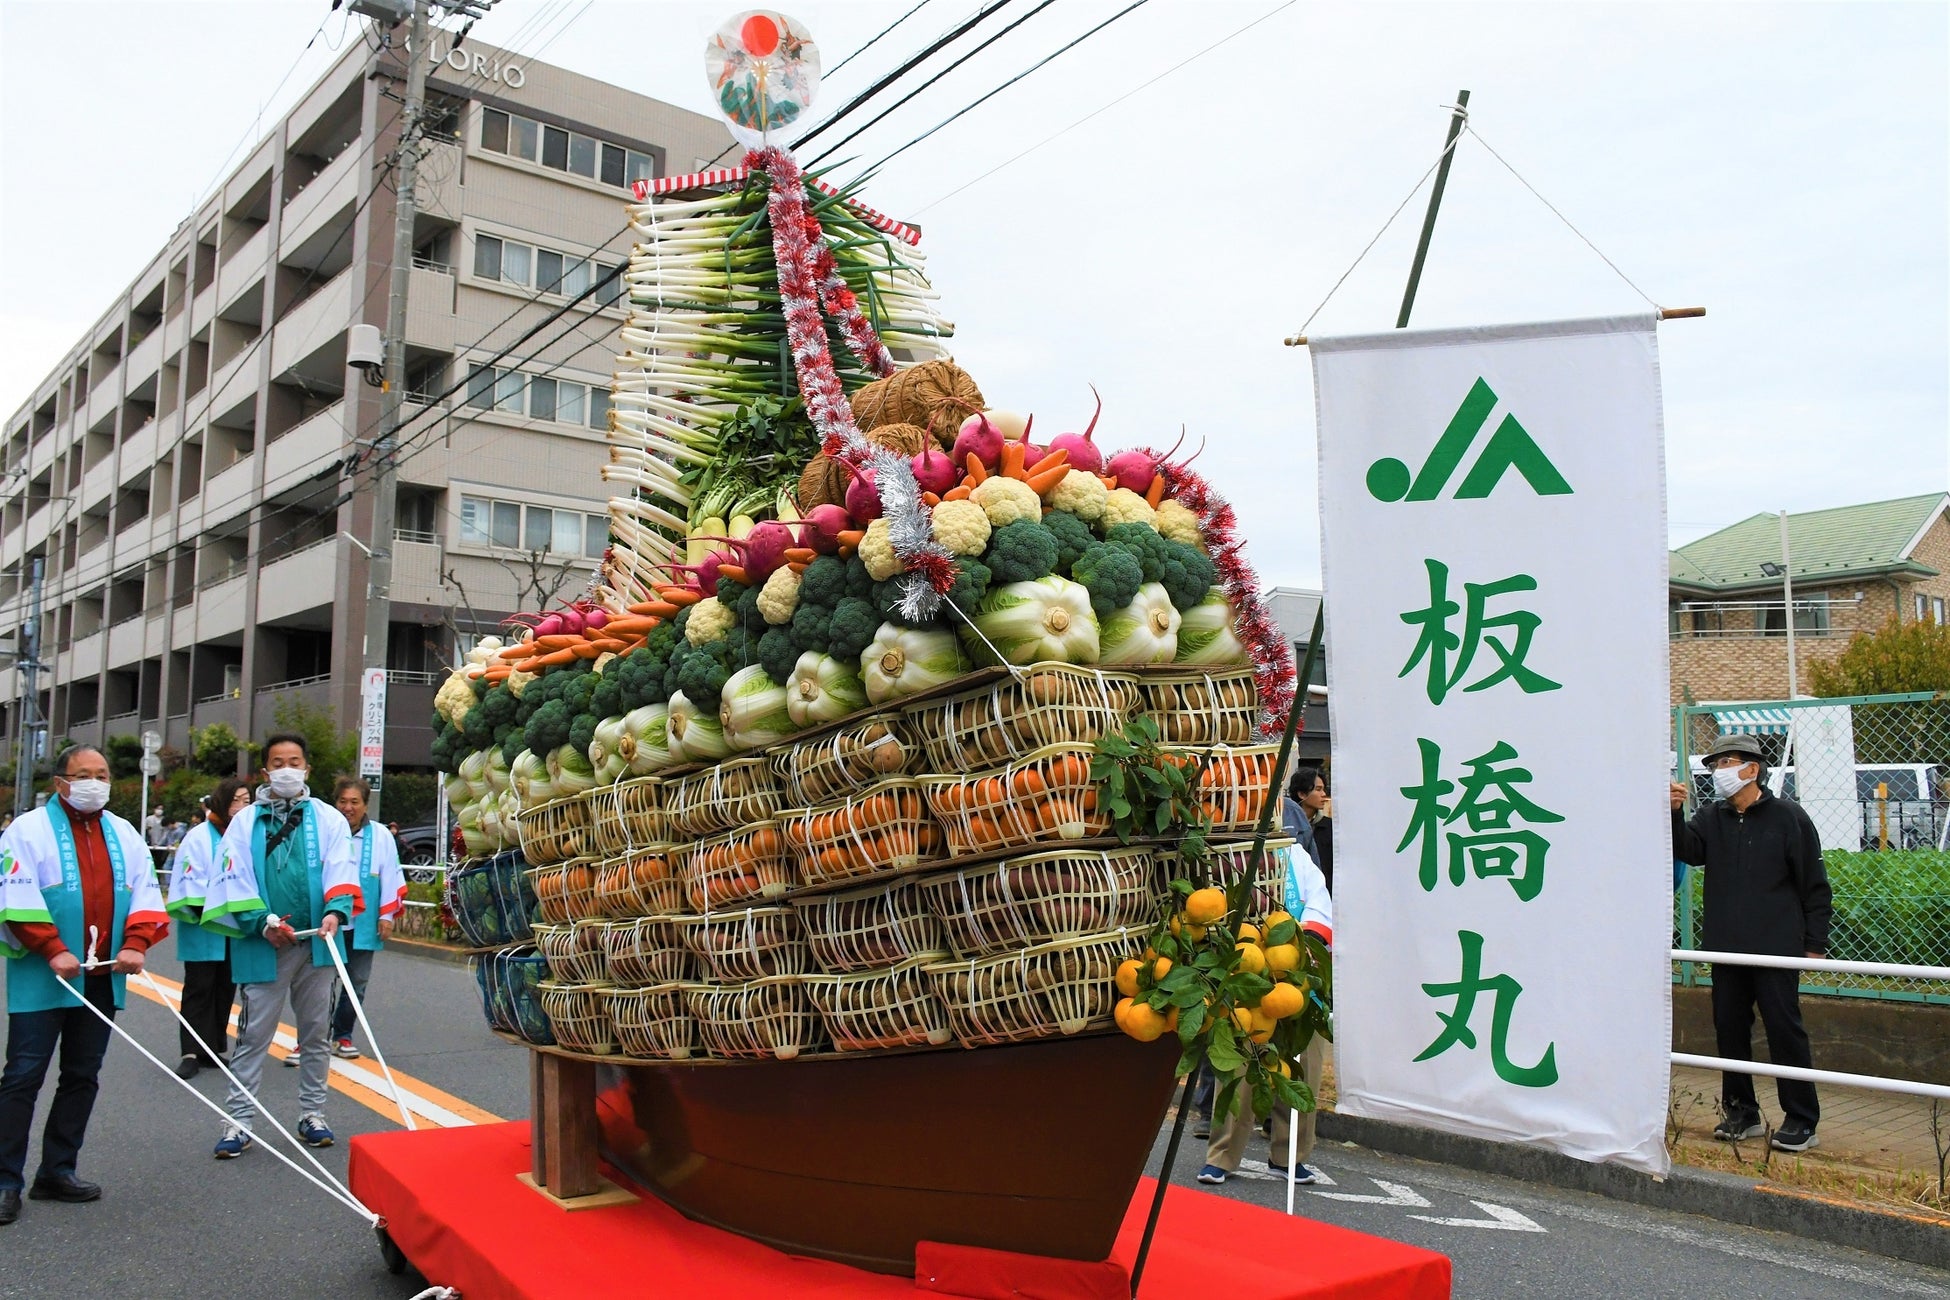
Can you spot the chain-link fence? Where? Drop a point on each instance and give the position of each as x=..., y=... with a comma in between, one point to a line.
x=1873, y=774
x=425, y=915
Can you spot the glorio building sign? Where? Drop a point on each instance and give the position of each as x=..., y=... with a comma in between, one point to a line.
x=481, y=63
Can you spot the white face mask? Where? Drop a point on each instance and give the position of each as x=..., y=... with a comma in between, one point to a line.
x=1727, y=781
x=85, y=795
x=288, y=782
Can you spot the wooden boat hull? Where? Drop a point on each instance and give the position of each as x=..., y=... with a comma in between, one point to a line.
x=1034, y=1148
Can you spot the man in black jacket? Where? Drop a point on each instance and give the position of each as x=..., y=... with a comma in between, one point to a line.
x=1766, y=893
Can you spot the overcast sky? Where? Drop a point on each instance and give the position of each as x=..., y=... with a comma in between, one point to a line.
x=1785, y=166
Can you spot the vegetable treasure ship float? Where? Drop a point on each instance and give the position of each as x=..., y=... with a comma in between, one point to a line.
x=885, y=812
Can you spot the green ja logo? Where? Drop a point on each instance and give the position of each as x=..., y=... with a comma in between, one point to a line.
x=1510, y=447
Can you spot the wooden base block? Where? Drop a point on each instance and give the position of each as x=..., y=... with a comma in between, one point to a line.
x=607, y=1193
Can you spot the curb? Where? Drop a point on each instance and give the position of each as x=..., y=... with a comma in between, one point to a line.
x=1726, y=1197
x=431, y=951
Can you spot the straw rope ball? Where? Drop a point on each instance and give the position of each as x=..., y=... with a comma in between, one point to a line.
x=938, y=395
x=823, y=483
x=907, y=439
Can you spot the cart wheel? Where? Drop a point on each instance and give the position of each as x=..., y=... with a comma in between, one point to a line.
x=395, y=1257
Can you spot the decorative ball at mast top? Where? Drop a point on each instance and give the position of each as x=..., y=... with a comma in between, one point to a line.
x=763, y=67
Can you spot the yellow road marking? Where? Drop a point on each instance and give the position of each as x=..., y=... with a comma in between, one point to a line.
x=437, y=1108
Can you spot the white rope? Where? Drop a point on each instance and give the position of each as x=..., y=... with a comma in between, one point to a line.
x=1406, y=200
x=1561, y=217
x=328, y=1189
x=437, y=1293
x=1292, y=1155
x=406, y=1116
x=236, y=1083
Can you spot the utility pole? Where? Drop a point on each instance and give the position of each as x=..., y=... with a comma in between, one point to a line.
x=32, y=726
x=1456, y=122
x=379, y=587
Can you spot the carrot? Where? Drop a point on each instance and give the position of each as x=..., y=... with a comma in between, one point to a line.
x=1041, y=481
x=736, y=572
x=845, y=551
x=498, y=673
x=559, y=640
x=805, y=554
x=626, y=627
x=1110, y=482
x=850, y=537
x=957, y=493
x=587, y=650
x=1012, y=456
x=797, y=566
x=681, y=595
x=553, y=659
x=930, y=499
x=609, y=644
x=1051, y=461
x=520, y=650
x=1156, y=492
x=976, y=470
x=655, y=608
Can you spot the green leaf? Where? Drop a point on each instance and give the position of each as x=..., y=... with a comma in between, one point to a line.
x=1189, y=997
x=1224, y=1051
x=1228, y=1093
x=1190, y=1020
x=1193, y=1055
x=1283, y=933
x=1162, y=818
x=1177, y=978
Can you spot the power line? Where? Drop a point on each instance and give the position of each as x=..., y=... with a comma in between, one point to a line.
x=890, y=78
x=871, y=43
x=1039, y=64
x=861, y=130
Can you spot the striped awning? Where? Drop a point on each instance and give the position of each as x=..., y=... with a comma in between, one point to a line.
x=1753, y=719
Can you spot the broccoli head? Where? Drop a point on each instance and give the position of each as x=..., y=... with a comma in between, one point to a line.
x=972, y=580
x=811, y=626
x=859, y=582
x=662, y=640
x=499, y=705
x=680, y=655
x=476, y=728
x=777, y=653
x=442, y=751
x=1021, y=551
x=747, y=610
x=1187, y=575
x=702, y=680
x=549, y=728
x=582, y=731
x=580, y=690
x=501, y=734
x=1151, y=549
x=887, y=602
x=734, y=649
x=606, y=701
x=1073, y=537
x=823, y=582
x=851, y=629
x=1111, y=573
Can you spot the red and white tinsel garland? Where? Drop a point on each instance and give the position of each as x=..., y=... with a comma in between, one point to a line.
x=808, y=277
x=1271, y=654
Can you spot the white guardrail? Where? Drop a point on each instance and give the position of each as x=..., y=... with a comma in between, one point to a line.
x=1889, y=970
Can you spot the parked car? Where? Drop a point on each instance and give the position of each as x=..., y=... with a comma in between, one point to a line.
x=1915, y=797
x=419, y=846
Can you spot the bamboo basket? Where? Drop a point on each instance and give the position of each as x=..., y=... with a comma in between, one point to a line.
x=1202, y=707
x=555, y=831
x=744, y=864
x=1063, y=987
x=518, y=976
x=1043, y=896
x=575, y=952
x=763, y=1018
x=1230, y=858
x=640, y=882
x=1042, y=798
x=640, y=811
x=579, y=1015
x=493, y=1001
x=565, y=892
x=1043, y=704
x=605, y=832
x=860, y=929
x=653, y=1023
x=734, y=792
x=491, y=900
x=1234, y=786
x=747, y=944
x=648, y=950
x=880, y=1009
x=846, y=761
x=884, y=828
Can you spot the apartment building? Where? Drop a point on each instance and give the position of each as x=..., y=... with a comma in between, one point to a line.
x=191, y=474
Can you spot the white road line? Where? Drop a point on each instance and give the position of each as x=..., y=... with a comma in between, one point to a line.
x=1394, y=1194
x=1501, y=1218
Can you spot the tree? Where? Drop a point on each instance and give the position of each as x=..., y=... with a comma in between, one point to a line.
x=124, y=755
x=1899, y=658
x=333, y=751
x=213, y=749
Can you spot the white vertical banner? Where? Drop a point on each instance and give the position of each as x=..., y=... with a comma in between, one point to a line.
x=1494, y=545
x=372, y=722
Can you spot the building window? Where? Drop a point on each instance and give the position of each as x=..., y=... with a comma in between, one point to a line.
x=1922, y=607
x=641, y=167
x=480, y=387
x=1708, y=620
x=539, y=397
x=565, y=151
x=555, y=148
x=515, y=262
x=595, y=537
x=1936, y=609
x=554, y=272
x=611, y=278
x=487, y=257
x=614, y=164
x=569, y=404
x=1810, y=619
x=582, y=156
x=510, y=525
x=494, y=130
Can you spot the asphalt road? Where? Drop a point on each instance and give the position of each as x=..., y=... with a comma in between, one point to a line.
x=176, y=1223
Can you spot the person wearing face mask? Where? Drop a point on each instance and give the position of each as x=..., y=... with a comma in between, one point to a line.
x=1766, y=893
x=384, y=886
x=76, y=884
x=287, y=866
x=204, y=952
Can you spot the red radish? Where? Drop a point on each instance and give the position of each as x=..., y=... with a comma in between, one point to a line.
x=551, y=625
x=572, y=620
x=1084, y=454
x=933, y=471
x=596, y=619
x=823, y=525
x=764, y=549
x=980, y=438
x=1135, y=469
x=862, y=499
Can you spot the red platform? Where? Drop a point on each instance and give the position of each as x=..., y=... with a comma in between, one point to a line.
x=453, y=1205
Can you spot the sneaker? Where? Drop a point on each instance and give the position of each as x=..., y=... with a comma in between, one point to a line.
x=1738, y=1128
x=313, y=1133
x=291, y=1060
x=233, y=1143
x=1202, y=1127
x=187, y=1067
x=1212, y=1174
x=347, y=1050
x=1302, y=1173
x=1795, y=1136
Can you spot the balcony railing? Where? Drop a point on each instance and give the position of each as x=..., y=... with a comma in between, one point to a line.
x=293, y=683
x=235, y=693
x=415, y=676
x=415, y=535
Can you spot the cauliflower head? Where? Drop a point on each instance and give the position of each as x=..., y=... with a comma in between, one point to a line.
x=1179, y=523
x=1126, y=507
x=962, y=527
x=779, y=597
x=1081, y=493
x=1005, y=500
x=877, y=551
x=710, y=620
x=454, y=698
